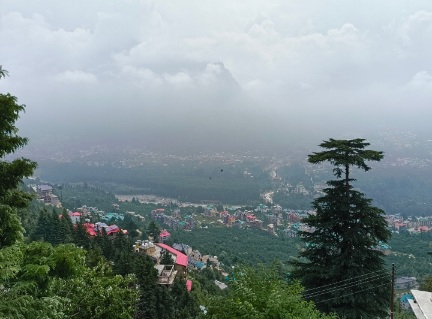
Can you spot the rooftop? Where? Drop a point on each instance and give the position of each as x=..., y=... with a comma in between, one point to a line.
x=181, y=259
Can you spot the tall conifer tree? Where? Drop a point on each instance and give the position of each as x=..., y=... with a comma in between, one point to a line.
x=340, y=267
x=11, y=172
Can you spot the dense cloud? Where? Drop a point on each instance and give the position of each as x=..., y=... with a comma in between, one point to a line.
x=215, y=75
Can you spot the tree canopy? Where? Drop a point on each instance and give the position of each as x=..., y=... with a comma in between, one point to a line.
x=11, y=172
x=260, y=293
x=340, y=267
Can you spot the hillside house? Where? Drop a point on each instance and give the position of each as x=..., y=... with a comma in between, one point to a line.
x=112, y=216
x=180, y=259
x=94, y=229
x=44, y=191
x=75, y=217
x=421, y=304
x=164, y=236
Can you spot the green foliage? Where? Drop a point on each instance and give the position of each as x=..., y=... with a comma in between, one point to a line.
x=154, y=231
x=410, y=255
x=186, y=183
x=292, y=200
x=147, y=280
x=340, y=247
x=259, y=293
x=343, y=154
x=74, y=196
x=167, y=259
x=11, y=172
x=42, y=281
x=234, y=245
x=426, y=284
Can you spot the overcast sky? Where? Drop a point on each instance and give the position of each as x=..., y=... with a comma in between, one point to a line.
x=317, y=67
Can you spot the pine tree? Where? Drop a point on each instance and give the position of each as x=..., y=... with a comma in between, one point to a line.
x=340, y=267
x=146, y=276
x=154, y=231
x=80, y=236
x=166, y=259
x=67, y=227
x=11, y=172
x=43, y=227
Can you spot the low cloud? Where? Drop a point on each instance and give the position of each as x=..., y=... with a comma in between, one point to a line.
x=77, y=76
x=315, y=69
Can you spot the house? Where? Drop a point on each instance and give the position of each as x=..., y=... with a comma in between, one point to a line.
x=75, y=217
x=44, y=190
x=90, y=228
x=422, y=229
x=180, y=259
x=94, y=229
x=220, y=285
x=55, y=201
x=112, y=216
x=250, y=218
x=290, y=232
x=183, y=248
x=293, y=217
x=300, y=189
x=166, y=274
x=164, y=236
x=400, y=226
x=421, y=305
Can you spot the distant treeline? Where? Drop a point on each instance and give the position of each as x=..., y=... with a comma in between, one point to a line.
x=397, y=190
x=400, y=190
x=222, y=185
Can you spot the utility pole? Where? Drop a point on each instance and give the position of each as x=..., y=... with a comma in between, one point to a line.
x=392, y=292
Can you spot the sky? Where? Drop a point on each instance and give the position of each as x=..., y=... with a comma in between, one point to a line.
x=214, y=74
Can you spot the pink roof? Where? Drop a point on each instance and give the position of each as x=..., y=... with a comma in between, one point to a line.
x=75, y=214
x=181, y=259
x=164, y=233
x=189, y=285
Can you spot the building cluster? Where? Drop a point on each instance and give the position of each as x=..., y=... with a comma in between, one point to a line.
x=85, y=213
x=414, y=225
x=175, y=220
x=262, y=217
x=44, y=194
x=183, y=256
x=270, y=218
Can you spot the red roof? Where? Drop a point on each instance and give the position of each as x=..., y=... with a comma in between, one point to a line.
x=90, y=229
x=181, y=259
x=164, y=233
x=189, y=285
x=75, y=214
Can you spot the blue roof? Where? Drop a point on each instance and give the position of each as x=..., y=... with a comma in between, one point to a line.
x=405, y=297
x=199, y=264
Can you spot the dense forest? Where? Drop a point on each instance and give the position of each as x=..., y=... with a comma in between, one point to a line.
x=183, y=182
